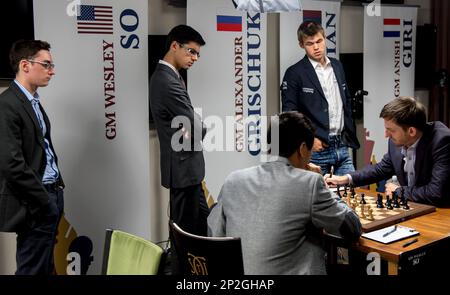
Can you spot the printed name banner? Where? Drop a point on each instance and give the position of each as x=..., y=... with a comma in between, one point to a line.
x=389, y=62
x=98, y=105
x=228, y=83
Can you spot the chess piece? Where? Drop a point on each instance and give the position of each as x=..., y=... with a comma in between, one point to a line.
x=395, y=200
x=389, y=203
x=352, y=192
x=339, y=191
x=362, y=214
x=363, y=201
x=345, y=191
x=402, y=196
x=380, y=201
x=370, y=211
x=405, y=204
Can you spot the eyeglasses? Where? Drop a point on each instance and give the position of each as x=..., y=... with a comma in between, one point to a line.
x=191, y=51
x=47, y=65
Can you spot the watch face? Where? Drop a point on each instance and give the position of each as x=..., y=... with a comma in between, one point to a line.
x=72, y=253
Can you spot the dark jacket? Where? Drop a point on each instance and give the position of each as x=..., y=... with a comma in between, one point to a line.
x=301, y=91
x=432, y=168
x=22, y=161
x=169, y=99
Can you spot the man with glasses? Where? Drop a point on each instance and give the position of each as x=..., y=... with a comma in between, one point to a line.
x=31, y=186
x=180, y=131
x=316, y=87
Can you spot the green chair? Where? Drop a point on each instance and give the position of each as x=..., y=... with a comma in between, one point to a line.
x=127, y=254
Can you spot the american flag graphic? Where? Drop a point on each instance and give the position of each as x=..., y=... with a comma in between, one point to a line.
x=95, y=19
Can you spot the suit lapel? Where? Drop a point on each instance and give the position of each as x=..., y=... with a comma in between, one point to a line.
x=29, y=109
x=420, y=152
x=312, y=75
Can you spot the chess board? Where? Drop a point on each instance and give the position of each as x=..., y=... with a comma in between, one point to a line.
x=383, y=217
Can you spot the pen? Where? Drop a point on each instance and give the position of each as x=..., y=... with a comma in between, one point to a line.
x=331, y=171
x=410, y=242
x=390, y=232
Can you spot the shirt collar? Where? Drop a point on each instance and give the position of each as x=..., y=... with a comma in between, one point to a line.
x=170, y=66
x=26, y=92
x=411, y=148
x=316, y=64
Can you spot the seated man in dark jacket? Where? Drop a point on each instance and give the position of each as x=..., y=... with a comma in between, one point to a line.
x=418, y=154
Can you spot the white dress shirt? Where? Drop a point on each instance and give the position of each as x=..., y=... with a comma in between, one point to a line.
x=409, y=156
x=330, y=88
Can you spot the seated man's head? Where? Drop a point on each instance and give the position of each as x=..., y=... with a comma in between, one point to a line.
x=404, y=120
x=296, y=137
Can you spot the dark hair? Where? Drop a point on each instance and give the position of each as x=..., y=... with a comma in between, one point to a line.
x=406, y=112
x=184, y=34
x=25, y=49
x=309, y=29
x=294, y=128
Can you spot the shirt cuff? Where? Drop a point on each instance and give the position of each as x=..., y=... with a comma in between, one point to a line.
x=350, y=179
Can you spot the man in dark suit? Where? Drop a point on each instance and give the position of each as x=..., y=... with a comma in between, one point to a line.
x=31, y=187
x=180, y=131
x=316, y=87
x=418, y=154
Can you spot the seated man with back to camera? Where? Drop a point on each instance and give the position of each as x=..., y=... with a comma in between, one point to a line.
x=418, y=154
x=279, y=209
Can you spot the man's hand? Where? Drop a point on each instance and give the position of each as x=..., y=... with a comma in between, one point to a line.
x=336, y=180
x=390, y=187
x=318, y=145
x=313, y=168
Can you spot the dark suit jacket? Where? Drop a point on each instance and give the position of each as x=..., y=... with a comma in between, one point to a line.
x=301, y=91
x=169, y=99
x=22, y=161
x=432, y=167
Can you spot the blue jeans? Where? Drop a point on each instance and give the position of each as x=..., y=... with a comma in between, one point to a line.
x=35, y=245
x=336, y=154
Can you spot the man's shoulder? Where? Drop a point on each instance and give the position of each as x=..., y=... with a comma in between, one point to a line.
x=439, y=132
x=8, y=96
x=299, y=65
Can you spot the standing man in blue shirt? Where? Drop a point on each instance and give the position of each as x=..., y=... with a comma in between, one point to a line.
x=31, y=186
x=316, y=87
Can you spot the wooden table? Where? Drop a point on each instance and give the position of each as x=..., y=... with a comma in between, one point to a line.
x=434, y=229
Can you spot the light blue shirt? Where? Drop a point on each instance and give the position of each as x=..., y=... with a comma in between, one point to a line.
x=51, y=173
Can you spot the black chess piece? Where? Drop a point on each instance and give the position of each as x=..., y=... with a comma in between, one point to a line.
x=380, y=201
x=363, y=201
x=352, y=192
x=338, y=187
x=345, y=191
x=389, y=203
x=395, y=199
x=402, y=196
x=405, y=204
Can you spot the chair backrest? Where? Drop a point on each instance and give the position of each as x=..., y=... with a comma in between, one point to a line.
x=199, y=255
x=127, y=254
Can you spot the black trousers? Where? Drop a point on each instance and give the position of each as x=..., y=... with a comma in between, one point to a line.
x=35, y=244
x=188, y=209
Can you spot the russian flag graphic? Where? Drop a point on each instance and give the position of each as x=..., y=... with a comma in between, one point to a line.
x=229, y=23
x=391, y=29
x=312, y=15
